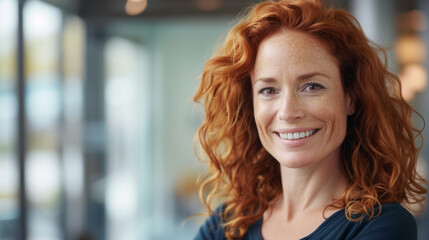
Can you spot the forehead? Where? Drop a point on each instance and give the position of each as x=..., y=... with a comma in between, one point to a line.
x=291, y=48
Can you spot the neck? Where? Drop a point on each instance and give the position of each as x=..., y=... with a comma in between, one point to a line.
x=310, y=188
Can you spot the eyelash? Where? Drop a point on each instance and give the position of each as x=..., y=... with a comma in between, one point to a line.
x=312, y=84
x=273, y=91
x=264, y=90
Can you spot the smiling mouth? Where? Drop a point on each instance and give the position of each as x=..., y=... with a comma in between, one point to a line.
x=297, y=135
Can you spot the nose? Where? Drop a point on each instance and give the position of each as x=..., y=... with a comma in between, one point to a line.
x=291, y=108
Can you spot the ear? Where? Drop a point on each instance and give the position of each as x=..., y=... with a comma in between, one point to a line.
x=350, y=103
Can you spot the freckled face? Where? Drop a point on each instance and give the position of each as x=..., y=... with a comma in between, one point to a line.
x=300, y=107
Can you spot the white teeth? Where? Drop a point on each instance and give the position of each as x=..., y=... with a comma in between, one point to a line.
x=296, y=135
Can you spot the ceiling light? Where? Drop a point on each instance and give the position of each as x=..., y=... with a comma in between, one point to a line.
x=135, y=7
x=208, y=5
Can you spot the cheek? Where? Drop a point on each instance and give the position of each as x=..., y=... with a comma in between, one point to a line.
x=263, y=116
x=257, y=115
x=335, y=112
x=256, y=110
x=332, y=111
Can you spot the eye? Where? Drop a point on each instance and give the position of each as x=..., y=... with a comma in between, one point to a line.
x=268, y=91
x=312, y=87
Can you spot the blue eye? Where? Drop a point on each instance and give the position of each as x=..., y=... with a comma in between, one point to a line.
x=268, y=91
x=311, y=87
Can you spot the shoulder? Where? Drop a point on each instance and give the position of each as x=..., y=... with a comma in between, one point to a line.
x=394, y=222
x=212, y=228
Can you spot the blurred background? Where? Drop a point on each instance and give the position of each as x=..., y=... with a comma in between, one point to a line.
x=97, y=119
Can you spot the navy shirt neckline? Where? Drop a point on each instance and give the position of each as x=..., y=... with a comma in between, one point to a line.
x=394, y=223
x=258, y=226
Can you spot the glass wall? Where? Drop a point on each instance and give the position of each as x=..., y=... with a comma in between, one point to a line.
x=9, y=192
x=127, y=108
x=54, y=59
x=72, y=168
x=42, y=32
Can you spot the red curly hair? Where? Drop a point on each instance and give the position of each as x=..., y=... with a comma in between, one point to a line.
x=378, y=155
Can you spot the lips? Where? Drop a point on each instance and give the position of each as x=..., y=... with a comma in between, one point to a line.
x=297, y=135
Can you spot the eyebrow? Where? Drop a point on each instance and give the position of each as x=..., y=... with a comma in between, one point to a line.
x=300, y=78
x=312, y=74
x=266, y=80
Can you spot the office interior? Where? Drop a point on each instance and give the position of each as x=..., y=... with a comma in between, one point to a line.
x=97, y=120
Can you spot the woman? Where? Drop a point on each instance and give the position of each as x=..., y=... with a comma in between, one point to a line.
x=306, y=134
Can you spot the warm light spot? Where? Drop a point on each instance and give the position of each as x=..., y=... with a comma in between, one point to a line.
x=414, y=79
x=208, y=5
x=410, y=49
x=135, y=7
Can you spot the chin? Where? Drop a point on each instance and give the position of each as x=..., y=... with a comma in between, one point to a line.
x=294, y=161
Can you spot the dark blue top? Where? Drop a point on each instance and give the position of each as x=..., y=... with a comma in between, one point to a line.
x=394, y=223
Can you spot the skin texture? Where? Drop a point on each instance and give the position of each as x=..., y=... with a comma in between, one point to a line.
x=297, y=88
